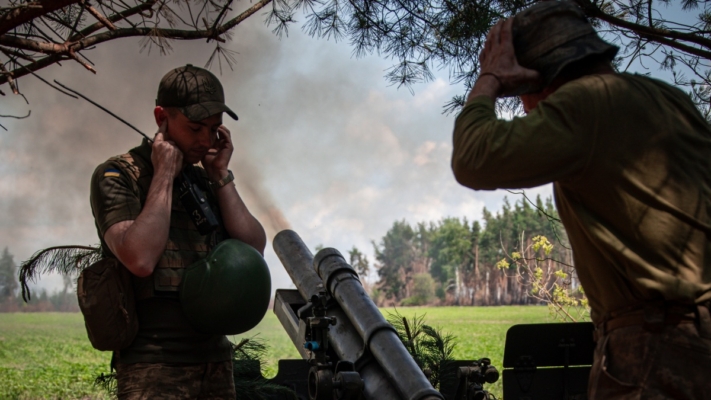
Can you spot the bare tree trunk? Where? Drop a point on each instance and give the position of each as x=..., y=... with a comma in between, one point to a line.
x=486, y=290
x=477, y=272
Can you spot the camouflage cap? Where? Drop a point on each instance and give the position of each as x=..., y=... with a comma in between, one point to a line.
x=550, y=35
x=195, y=91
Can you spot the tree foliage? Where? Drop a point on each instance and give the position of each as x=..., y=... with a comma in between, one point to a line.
x=548, y=280
x=422, y=35
x=359, y=261
x=418, y=35
x=8, y=275
x=463, y=260
x=35, y=34
x=451, y=241
x=396, y=257
x=423, y=290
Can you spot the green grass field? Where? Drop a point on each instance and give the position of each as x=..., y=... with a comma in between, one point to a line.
x=47, y=355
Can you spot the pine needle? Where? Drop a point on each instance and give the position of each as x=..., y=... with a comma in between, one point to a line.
x=108, y=383
x=249, y=349
x=249, y=381
x=428, y=346
x=65, y=260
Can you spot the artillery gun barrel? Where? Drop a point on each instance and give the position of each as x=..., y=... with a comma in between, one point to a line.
x=297, y=260
x=343, y=337
x=380, y=337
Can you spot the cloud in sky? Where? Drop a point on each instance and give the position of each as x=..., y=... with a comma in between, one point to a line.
x=321, y=137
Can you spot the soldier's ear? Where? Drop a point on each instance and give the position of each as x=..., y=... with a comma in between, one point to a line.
x=160, y=115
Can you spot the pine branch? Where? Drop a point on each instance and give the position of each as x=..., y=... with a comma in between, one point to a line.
x=428, y=346
x=16, y=116
x=249, y=349
x=248, y=378
x=101, y=18
x=58, y=52
x=65, y=260
x=670, y=36
x=114, y=18
x=13, y=53
x=21, y=15
x=107, y=382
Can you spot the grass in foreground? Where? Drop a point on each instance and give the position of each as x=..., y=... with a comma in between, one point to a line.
x=48, y=356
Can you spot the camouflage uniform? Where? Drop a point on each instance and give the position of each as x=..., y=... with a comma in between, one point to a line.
x=175, y=381
x=165, y=343
x=671, y=362
x=169, y=358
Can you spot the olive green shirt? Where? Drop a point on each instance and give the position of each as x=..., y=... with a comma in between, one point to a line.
x=630, y=158
x=164, y=334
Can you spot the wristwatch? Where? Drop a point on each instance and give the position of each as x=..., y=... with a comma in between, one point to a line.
x=222, y=182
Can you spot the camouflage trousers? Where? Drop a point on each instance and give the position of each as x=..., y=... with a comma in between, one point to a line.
x=175, y=381
x=633, y=363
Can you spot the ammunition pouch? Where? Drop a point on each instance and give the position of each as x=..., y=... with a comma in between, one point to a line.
x=106, y=299
x=167, y=279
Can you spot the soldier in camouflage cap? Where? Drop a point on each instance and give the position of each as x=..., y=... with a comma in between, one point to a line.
x=141, y=221
x=195, y=91
x=628, y=157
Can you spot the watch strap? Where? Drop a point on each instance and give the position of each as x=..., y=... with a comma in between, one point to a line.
x=224, y=181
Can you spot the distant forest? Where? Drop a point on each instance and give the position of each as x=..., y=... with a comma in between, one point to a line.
x=457, y=262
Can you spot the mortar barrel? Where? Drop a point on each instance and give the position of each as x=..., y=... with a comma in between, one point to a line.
x=343, y=337
x=380, y=337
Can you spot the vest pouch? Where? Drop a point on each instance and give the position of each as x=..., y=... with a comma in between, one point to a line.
x=106, y=299
x=167, y=279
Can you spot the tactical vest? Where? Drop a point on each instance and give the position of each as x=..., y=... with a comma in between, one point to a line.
x=185, y=244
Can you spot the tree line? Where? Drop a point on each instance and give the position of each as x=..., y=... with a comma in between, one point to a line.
x=455, y=261
x=64, y=300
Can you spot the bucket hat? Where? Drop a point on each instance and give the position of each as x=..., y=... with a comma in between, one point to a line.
x=195, y=91
x=550, y=35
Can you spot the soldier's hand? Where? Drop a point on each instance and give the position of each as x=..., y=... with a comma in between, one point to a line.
x=498, y=61
x=166, y=157
x=218, y=157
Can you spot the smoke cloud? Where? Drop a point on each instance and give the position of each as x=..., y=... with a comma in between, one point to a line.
x=253, y=192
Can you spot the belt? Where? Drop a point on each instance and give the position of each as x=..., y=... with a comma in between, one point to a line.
x=654, y=317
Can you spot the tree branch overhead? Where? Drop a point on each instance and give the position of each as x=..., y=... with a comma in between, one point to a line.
x=80, y=25
x=420, y=36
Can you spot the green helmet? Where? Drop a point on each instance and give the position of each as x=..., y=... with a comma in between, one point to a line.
x=228, y=291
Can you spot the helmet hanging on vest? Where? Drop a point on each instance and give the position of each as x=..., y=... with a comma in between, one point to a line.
x=228, y=291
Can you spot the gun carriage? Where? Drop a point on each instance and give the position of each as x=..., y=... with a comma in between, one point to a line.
x=350, y=352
